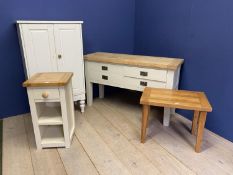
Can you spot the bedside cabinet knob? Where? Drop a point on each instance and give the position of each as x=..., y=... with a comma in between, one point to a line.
x=45, y=94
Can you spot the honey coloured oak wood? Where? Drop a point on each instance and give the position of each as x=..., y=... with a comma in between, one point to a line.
x=195, y=122
x=135, y=60
x=145, y=114
x=182, y=99
x=48, y=79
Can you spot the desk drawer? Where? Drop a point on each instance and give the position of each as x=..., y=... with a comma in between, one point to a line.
x=106, y=79
x=146, y=73
x=45, y=93
x=94, y=67
x=140, y=84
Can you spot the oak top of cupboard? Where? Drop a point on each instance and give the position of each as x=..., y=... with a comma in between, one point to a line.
x=135, y=60
x=48, y=79
x=181, y=99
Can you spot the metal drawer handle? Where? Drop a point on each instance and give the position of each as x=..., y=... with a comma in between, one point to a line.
x=59, y=56
x=104, y=77
x=143, y=83
x=45, y=95
x=142, y=73
x=104, y=68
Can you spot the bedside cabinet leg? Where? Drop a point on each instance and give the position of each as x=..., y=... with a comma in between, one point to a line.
x=82, y=105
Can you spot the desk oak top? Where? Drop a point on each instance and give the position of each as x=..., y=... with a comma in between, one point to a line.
x=135, y=60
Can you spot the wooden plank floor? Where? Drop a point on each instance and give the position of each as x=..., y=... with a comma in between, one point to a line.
x=107, y=142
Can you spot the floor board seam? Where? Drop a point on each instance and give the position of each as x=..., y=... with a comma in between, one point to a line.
x=87, y=153
x=106, y=144
x=62, y=161
x=26, y=132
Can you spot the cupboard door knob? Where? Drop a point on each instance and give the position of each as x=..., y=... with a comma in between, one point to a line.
x=45, y=95
x=59, y=56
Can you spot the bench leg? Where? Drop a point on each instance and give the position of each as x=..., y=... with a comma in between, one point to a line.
x=195, y=121
x=145, y=116
x=166, y=116
x=200, y=130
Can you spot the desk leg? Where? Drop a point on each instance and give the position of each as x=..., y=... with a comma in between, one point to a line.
x=166, y=116
x=101, y=91
x=200, y=130
x=89, y=88
x=173, y=111
x=145, y=116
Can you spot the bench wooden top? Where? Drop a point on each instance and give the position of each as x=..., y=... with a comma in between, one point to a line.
x=135, y=60
x=48, y=79
x=181, y=99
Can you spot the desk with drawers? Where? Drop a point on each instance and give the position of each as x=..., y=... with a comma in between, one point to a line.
x=132, y=72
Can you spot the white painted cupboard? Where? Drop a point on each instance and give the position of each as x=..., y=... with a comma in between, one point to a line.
x=54, y=46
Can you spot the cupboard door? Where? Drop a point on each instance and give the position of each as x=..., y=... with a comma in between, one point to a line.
x=39, y=48
x=69, y=49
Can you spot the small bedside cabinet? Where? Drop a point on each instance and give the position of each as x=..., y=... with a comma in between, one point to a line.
x=52, y=109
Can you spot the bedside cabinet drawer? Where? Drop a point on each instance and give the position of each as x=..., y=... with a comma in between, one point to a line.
x=146, y=73
x=46, y=93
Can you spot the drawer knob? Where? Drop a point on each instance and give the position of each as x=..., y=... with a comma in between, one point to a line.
x=104, y=68
x=143, y=83
x=104, y=77
x=142, y=73
x=45, y=95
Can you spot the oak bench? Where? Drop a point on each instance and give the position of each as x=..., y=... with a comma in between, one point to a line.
x=188, y=100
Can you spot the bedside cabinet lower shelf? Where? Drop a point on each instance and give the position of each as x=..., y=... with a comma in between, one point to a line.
x=52, y=136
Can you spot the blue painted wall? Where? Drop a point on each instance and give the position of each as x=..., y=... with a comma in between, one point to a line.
x=108, y=26
x=201, y=32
